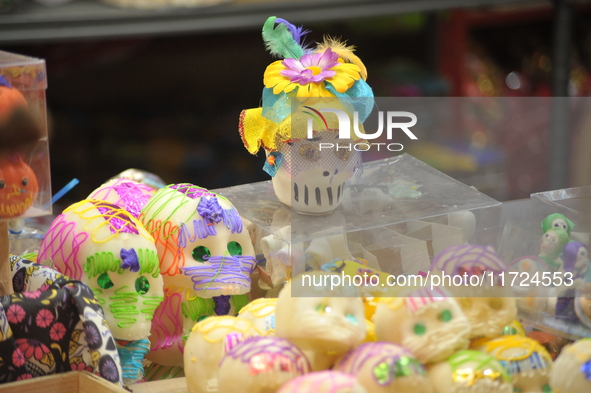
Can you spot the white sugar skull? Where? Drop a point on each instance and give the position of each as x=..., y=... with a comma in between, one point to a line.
x=385, y=368
x=571, y=371
x=428, y=323
x=206, y=259
x=205, y=348
x=527, y=362
x=128, y=194
x=261, y=313
x=108, y=249
x=470, y=372
x=488, y=315
x=323, y=322
x=309, y=169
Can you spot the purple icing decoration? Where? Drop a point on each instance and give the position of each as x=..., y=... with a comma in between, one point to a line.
x=4, y=82
x=130, y=260
x=222, y=304
x=221, y=270
x=191, y=191
x=210, y=209
x=586, y=370
x=131, y=197
x=118, y=220
x=202, y=230
x=467, y=256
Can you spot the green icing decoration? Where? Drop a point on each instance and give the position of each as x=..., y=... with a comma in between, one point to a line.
x=445, y=316
x=197, y=308
x=142, y=285
x=234, y=248
x=239, y=301
x=382, y=373
x=104, y=281
x=405, y=365
x=419, y=329
x=201, y=253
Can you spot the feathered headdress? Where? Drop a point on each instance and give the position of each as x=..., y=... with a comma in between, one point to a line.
x=304, y=76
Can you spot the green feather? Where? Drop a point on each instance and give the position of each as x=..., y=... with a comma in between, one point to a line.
x=279, y=41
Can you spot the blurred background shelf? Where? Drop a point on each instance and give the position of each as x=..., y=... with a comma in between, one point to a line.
x=87, y=19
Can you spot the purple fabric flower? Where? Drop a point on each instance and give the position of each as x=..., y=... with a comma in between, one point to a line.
x=210, y=209
x=129, y=260
x=311, y=68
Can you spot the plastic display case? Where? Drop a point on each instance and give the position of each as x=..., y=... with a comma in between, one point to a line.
x=395, y=217
x=25, y=184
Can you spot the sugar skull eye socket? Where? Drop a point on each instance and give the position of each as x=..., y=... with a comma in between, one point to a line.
x=343, y=154
x=104, y=281
x=419, y=329
x=445, y=316
x=142, y=285
x=201, y=253
x=234, y=248
x=309, y=152
x=25, y=181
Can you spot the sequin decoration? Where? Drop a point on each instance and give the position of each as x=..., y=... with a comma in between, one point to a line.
x=142, y=285
x=234, y=248
x=343, y=154
x=309, y=152
x=469, y=376
x=104, y=281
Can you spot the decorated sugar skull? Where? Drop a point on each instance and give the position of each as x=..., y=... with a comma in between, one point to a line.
x=206, y=259
x=323, y=381
x=470, y=372
x=128, y=194
x=260, y=364
x=104, y=246
x=261, y=312
x=385, y=368
x=205, y=347
x=526, y=360
x=557, y=221
x=18, y=187
x=488, y=315
x=303, y=95
x=324, y=322
x=429, y=323
x=571, y=371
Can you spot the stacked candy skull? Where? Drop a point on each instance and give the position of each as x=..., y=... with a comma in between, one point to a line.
x=206, y=259
x=104, y=246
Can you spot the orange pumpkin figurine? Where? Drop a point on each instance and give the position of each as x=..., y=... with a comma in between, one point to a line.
x=10, y=99
x=18, y=187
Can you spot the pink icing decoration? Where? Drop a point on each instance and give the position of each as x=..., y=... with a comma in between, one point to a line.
x=118, y=220
x=322, y=381
x=468, y=258
x=422, y=297
x=271, y=354
x=58, y=235
x=130, y=195
x=169, y=309
x=377, y=352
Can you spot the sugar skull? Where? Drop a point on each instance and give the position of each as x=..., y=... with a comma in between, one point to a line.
x=385, y=368
x=205, y=347
x=323, y=381
x=261, y=313
x=488, y=315
x=470, y=372
x=571, y=371
x=104, y=246
x=128, y=194
x=18, y=187
x=206, y=259
x=527, y=362
x=260, y=364
x=325, y=323
x=298, y=125
x=429, y=323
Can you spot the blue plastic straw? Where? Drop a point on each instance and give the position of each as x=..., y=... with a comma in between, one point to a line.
x=57, y=196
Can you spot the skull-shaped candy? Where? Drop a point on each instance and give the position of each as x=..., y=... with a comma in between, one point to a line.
x=527, y=361
x=428, y=323
x=385, y=368
x=261, y=313
x=323, y=381
x=206, y=259
x=104, y=246
x=571, y=371
x=488, y=315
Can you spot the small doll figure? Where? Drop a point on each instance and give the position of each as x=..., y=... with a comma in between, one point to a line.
x=557, y=221
x=576, y=263
x=576, y=260
x=553, y=243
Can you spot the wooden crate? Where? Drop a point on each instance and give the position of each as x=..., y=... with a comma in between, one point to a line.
x=70, y=382
x=175, y=385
